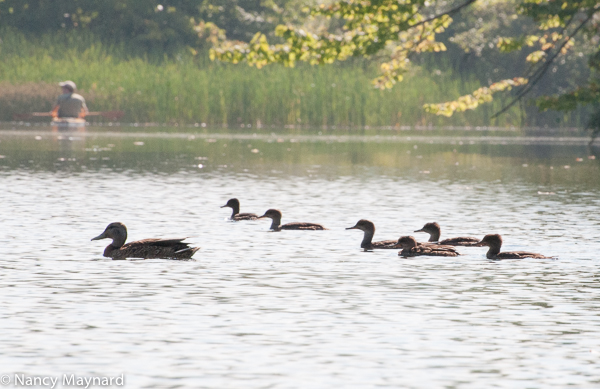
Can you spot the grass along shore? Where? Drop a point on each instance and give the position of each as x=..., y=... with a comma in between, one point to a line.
x=189, y=89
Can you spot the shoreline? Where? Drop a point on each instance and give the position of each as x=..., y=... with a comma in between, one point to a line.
x=328, y=138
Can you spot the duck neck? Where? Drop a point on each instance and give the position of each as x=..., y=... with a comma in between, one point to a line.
x=492, y=252
x=118, y=241
x=109, y=249
x=434, y=236
x=367, y=240
x=276, y=223
x=236, y=210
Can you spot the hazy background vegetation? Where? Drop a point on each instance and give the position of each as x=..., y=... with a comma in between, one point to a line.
x=149, y=59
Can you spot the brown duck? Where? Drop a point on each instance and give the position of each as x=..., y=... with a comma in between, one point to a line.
x=494, y=242
x=368, y=227
x=434, y=230
x=146, y=248
x=275, y=216
x=234, y=204
x=410, y=248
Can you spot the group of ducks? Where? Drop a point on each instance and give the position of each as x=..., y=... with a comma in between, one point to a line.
x=177, y=249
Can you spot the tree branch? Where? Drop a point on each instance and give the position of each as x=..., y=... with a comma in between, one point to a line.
x=538, y=74
x=531, y=71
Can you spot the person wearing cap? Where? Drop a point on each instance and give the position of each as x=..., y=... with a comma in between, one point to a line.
x=69, y=104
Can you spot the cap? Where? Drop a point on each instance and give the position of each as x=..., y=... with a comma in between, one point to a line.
x=68, y=84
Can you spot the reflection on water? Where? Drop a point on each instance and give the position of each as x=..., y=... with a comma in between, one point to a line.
x=299, y=309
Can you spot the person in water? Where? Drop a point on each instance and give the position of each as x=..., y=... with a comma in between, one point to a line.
x=69, y=104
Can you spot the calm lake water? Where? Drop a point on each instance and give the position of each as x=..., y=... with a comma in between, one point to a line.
x=293, y=309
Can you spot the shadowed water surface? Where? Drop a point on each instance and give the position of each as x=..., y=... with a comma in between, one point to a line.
x=259, y=309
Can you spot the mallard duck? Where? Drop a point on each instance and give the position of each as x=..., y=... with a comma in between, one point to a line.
x=410, y=248
x=236, y=215
x=367, y=243
x=146, y=248
x=275, y=215
x=434, y=230
x=494, y=242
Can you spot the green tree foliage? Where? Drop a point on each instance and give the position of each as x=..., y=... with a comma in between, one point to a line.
x=164, y=26
x=542, y=33
x=492, y=40
x=144, y=24
x=241, y=19
x=369, y=28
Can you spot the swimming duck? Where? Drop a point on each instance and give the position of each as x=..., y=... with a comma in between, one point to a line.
x=275, y=215
x=369, y=229
x=494, y=242
x=146, y=248
x=236, y=215
x=367, y=243
x=410, y=248
x=434, y=230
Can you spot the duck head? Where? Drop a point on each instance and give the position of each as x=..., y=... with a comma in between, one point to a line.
x=275, y=215
x=363, y=225
x=369, y=229
x=491, y=240
x=232, y=203
x=407, y=242
x=271, y=214
x=115, y=231
x=433, y=229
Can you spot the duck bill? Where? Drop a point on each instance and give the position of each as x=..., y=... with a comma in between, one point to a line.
x=101, y=236
x=479, y=244
x=352, y=228
x=224, y=206
x=262, y=217
x=421, y=230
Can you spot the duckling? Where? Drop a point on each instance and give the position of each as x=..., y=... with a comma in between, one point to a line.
x=368, y=227
x=236, y=215
x=410, y=248
x=494, y=242
x=434, y=230
x=275, y=215
x=146, y=248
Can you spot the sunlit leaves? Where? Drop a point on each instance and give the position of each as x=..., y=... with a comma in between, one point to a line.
x=536, y=56
x=394, y=31
x=507, y=44
x=473, y=100
x=553, y=21
x=370, y=27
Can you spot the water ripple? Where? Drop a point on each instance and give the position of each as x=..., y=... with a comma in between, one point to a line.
x=293, y=309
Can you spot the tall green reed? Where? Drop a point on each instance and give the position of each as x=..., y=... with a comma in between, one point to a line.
x=190, y=89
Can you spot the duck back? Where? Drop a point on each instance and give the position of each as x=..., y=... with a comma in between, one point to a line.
x=245, y=216
x=519, y=255
x=429, y=251
x=153, y=249
x=385, y=244
x=302, y=226
x=459, y=241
